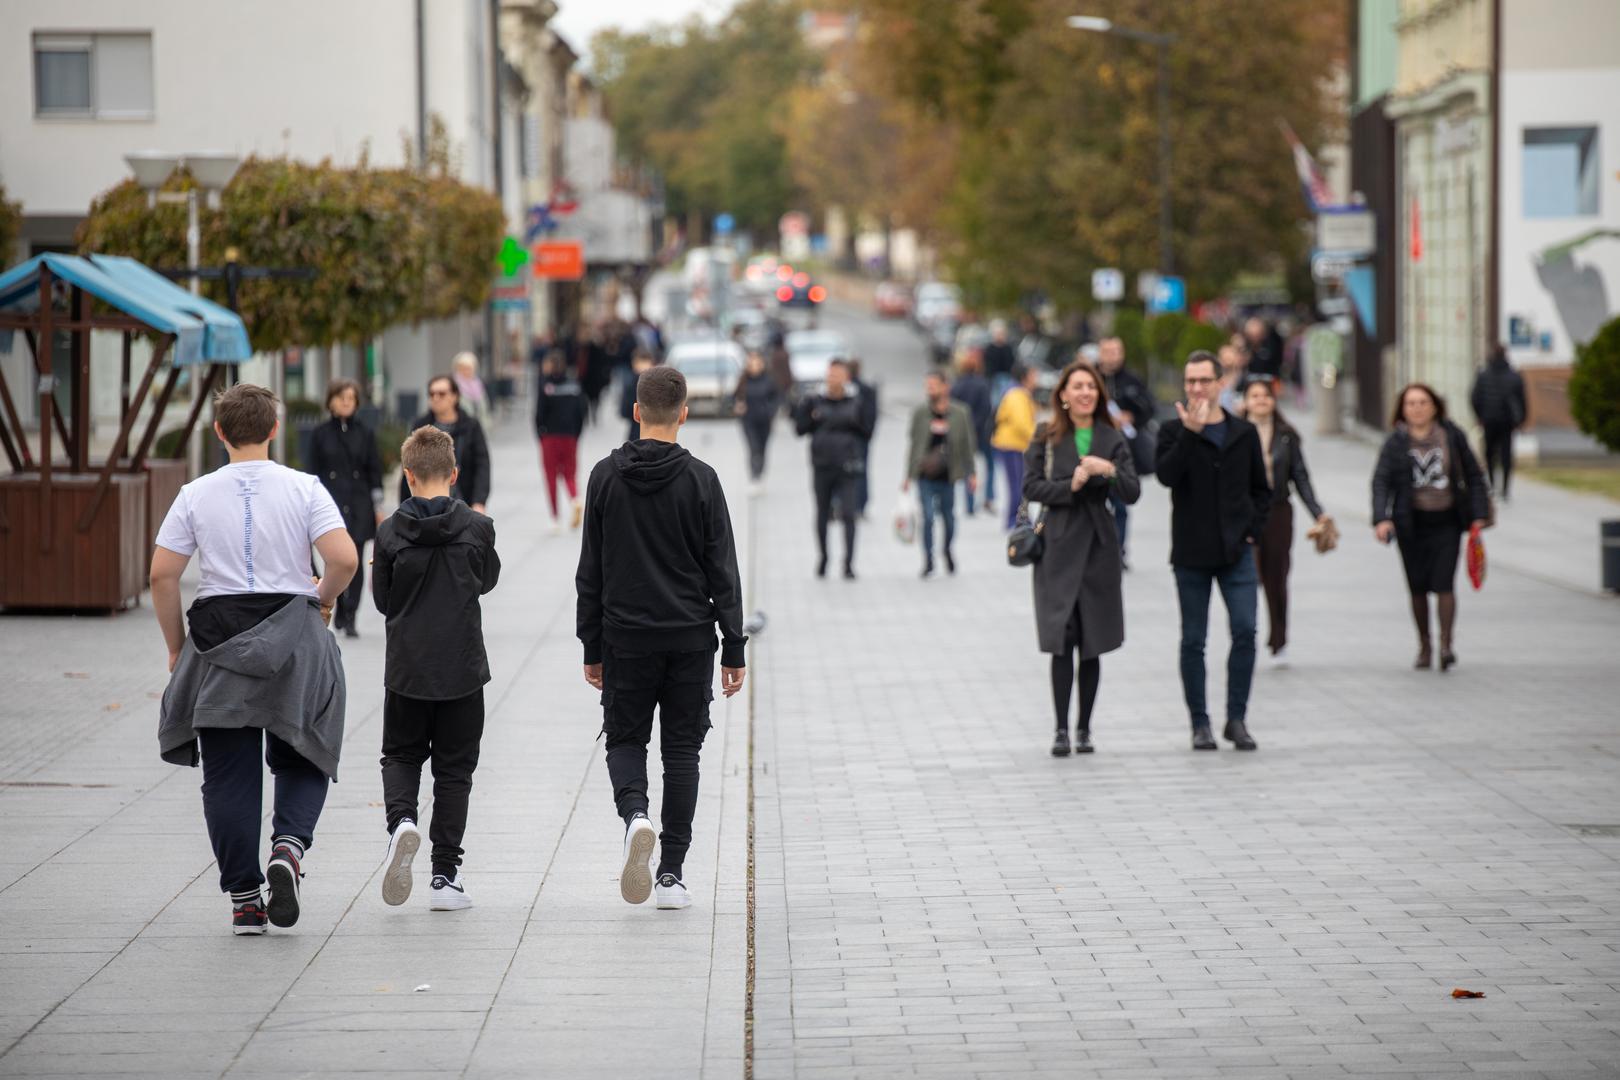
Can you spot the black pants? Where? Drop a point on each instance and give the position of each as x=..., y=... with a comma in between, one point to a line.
x=1499, y=454
x=836, y=484
x=348, y=601
x=448, y=734
x=1273, y=557
x=681, y=686
x=1063, y=675
x=233, y=762
x=759, y=436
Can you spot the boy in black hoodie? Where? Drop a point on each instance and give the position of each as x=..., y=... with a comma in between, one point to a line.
x=657, y=571
x=434, y=558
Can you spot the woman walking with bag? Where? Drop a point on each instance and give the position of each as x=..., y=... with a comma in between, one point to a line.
x=1426, y=489
x=1071, y=468
x=343, y=456
x=1285, y=466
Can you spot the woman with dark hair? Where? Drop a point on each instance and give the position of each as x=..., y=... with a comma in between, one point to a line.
x=1285, y=466
x=1426, y=490
x=472, y=449
x=343, y=455
x=1071, y=467
x=757, y=401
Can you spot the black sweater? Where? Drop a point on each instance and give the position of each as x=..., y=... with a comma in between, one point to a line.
x=839, y=429
x=434, y=559
x=1219, y=497
x=657, y=562
x=560, y=407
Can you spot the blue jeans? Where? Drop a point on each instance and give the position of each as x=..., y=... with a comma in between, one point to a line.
x=1239, y=584
x=989, y=478
x=938, y=497
x=1122, y=515
x=1013, y=462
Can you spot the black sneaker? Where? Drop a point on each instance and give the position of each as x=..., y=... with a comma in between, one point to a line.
x=1203, y=739
x=1060, y=743
x=1082, y=742
x=284, y=874
x=247, y=916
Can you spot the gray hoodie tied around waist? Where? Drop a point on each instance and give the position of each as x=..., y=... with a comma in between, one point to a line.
x=284, y=675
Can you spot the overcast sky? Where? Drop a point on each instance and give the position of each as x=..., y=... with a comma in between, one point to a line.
x=579, y=19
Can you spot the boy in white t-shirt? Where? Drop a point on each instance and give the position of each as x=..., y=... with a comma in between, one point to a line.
x=257, y=658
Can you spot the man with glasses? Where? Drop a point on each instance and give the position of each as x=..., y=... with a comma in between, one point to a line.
x=1219, y=495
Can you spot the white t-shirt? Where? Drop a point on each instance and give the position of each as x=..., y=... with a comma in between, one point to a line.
x=252, y=523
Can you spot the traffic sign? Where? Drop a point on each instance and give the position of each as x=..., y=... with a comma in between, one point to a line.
x=1329, y=267
x=724, y=223
x=1346, y=228
x=1169, y=295
x=1107, y=285
x=559, y=260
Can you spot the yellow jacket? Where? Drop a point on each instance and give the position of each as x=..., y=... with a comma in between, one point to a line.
x=1015, y=421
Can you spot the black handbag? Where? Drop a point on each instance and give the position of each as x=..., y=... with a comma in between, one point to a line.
x=1025, y=543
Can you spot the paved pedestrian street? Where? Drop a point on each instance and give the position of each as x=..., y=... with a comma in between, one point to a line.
x=931, y=894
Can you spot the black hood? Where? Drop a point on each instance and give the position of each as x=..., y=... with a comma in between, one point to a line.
x=432, y=522
x=649, y=465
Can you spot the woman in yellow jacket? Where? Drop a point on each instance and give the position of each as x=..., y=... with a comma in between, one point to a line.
x=1015, y=429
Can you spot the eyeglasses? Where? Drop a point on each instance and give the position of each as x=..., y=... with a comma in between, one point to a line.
x=1200, y=381
x=438, y=393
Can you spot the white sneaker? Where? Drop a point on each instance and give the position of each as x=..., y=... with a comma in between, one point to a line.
x=448, y=894
x=402, y=848
x=556, y=527
x=636, y=880
x=672, y=894
x=1279, y=659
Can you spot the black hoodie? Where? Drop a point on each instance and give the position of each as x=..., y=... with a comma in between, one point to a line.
x=434, y=558
x=657, y=563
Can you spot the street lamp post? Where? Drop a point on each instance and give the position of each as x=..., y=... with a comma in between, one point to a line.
x=1162, y=42
x=211, y=171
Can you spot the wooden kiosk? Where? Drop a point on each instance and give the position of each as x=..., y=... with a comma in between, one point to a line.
x=76, y=534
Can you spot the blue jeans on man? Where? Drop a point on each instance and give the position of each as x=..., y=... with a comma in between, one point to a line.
x=938, y=497
x=1239, y=584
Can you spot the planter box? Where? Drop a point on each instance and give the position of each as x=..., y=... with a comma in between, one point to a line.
x=100, y=569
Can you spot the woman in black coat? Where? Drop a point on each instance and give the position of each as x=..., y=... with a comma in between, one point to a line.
x=757, y=402
x=343, y=454
x=1286, y=473
x=1073, y=465
x=472, y=450
x=1427, y=489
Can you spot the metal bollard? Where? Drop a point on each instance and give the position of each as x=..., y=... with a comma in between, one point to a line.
x=1609, y=534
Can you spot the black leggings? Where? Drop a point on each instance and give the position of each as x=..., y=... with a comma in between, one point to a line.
x=836, y=484
x=1063, y=678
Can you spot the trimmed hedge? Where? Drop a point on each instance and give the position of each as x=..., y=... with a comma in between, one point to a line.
x=1594, y=386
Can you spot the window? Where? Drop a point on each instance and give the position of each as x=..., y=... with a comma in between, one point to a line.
x=1560, y=172
x=100, y=76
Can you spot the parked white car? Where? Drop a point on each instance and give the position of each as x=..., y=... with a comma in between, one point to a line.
x=809, y=352
x=712, y=369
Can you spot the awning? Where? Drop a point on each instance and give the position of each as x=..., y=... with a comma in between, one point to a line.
x=204, y=331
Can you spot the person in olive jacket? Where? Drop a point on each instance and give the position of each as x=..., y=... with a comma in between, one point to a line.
x=1212, y=463
x=940, y=456
x=1074, y=466
x=472, y=449
x=343, y=453
x=840, y=426
x=1285, y=470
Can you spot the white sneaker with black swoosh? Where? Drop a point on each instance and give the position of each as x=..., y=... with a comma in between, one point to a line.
x=672, y=894
x=448, y=894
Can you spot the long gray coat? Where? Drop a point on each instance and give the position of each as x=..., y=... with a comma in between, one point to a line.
x=1081, y=563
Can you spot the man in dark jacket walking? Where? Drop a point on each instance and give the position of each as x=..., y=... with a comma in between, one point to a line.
x=972, y=389
x=435, y=558
x=657, y=572
x=1136, y=420
x=1214, y=467
x=1498, y=401
x=839, y=425
x=472, y=450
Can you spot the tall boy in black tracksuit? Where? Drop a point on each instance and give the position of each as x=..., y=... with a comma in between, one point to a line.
x=657, y=571
x=434, y=558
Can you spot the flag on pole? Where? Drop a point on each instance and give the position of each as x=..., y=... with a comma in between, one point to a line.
x=1417, y=231
x=1311, y=181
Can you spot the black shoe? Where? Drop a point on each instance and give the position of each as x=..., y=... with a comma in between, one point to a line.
x=849, y=572
x=1202, y=739
x=1082, y=742
x=1237, y=733
x=350, y=632
x=1060, y=743
x=247, y=916
x=950, y=562
x=821, y=567
x=1448, y=659
x=928, y=567
x=284, y=874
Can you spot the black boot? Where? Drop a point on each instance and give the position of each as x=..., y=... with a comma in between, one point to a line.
x=1060, y=743
x=928, y=565
x=821, y=566
x=1237, y=733
x=950, y=562
x=1082, y=741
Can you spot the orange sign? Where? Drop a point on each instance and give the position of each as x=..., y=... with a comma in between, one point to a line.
x=559, y=260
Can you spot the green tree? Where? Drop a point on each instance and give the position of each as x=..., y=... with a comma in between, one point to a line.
x=10, y=226
x=1594, y=386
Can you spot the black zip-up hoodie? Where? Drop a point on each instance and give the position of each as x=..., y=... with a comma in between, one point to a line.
x=657, y=563
x=434, y=558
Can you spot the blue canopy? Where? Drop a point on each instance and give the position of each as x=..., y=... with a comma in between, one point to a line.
x=204, y=331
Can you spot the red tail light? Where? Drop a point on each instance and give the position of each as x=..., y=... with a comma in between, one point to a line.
x=784, y=294
x=784, y=272
x=801, y=279
x=817, y=294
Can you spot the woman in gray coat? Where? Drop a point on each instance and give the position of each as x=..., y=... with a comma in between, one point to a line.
x=1072, y=467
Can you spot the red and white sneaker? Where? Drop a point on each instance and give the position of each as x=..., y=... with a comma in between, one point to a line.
x=285, y=874
x=247, y=915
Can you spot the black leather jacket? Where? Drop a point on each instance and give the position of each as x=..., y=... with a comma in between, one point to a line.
x=1288, y=467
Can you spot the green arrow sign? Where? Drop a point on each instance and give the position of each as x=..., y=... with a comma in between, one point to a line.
x=512, y=256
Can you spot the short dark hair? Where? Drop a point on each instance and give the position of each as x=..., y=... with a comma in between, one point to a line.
x=1202, y=356
x=1434, y=396
x=246, y=414
x=455, y=391
x=429, y=453
x=1020, y=372
x=661, y=392
x=838, y=361
x=337, y=386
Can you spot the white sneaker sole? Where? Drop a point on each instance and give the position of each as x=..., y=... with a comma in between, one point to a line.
x=249, y=931
x=454, y=902
x=675, y=903
x=636, y=879
x=396, y=883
